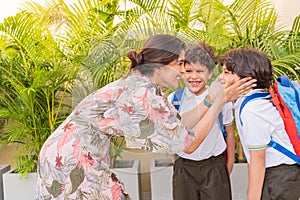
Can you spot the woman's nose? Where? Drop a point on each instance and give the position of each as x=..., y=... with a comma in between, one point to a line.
x=182, y=69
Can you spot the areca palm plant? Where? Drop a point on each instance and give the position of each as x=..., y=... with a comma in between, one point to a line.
x=252, y=23
x=35, y=75
x=52, y=51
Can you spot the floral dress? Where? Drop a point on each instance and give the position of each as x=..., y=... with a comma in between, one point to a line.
x=74, y=161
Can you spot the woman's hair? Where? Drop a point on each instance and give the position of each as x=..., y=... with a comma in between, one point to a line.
x=201, y=53
x=158, y=50
x=249, y=62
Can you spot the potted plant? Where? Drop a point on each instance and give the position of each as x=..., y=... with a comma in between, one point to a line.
x=34, y=86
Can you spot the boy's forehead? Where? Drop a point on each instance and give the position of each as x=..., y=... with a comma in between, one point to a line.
x=195, y=66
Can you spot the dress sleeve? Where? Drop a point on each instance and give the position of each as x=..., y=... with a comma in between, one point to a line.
x=150, y=122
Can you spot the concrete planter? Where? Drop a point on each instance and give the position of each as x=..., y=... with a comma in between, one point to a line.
x=161, y=172
x=3, y=169
x=239, y=181
x=128, y=171
x=15, y=187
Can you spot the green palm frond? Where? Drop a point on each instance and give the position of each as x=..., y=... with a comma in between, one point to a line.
x=289, y=65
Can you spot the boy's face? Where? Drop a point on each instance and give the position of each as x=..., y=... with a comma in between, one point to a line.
x=195, y=77
x=228, y=75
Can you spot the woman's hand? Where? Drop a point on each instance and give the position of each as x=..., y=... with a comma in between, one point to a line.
x=234, y=90
x=217, y=90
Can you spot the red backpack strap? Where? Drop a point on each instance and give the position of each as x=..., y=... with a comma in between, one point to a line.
x=287, y=117
x=274, y=98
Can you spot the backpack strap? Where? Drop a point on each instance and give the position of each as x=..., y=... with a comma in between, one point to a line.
x=177, y=97
x=263, y=95
x=222, y=126
x=272, y=143
x=285, y=151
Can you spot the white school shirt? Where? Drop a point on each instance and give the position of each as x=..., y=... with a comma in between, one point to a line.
x=261, y=121
x=214, y=143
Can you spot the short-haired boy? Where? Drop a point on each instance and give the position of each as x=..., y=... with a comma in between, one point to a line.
x=203, y=174
x=272, y=175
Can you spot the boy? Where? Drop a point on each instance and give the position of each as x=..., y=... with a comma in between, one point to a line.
x=203, y=174
x=272, y=175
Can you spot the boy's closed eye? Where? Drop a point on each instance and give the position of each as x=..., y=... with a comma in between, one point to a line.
x=227, y=72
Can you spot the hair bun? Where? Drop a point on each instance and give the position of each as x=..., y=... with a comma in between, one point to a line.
x=135, y=58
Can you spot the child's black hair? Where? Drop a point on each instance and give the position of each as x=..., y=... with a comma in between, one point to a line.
x=201, y=53
x=251, y=62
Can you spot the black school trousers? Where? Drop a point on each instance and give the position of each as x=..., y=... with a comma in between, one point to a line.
x=282, y=183
x=201, y=180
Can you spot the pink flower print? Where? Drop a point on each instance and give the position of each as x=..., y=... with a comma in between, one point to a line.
x=77, y=112
x=127, y=109
x=58, y=161
x=63, y=187
x=105, y=95
x=157, y=114
x=121, y=90
x=145, y=103
x=66, y=136
x=143, y=97
x=67, y=127
x=85, y=161
x=116, y=191
x=76, y=148
x=113, y=177
x=104, y=123
x=161, y=111
x=89, y=159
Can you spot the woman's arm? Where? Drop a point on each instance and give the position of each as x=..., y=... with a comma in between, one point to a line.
x=204, y=125
x=256, y=174
x=219, y=91
x=203, y=118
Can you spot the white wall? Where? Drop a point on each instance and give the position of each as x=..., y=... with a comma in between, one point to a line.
x=287, y=11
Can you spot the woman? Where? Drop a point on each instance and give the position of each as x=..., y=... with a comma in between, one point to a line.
x=74, y=161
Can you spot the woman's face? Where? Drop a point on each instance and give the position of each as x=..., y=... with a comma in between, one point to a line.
x=169, y=75
x=228, y=76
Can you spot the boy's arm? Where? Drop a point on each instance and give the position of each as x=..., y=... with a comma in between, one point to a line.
x=230, y=141
x=256, y=174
